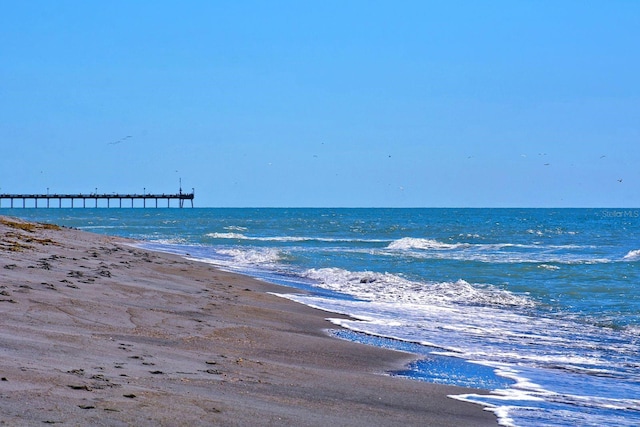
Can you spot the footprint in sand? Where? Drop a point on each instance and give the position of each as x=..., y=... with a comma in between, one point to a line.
x=79, y=387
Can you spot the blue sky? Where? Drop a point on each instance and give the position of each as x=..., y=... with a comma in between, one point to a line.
x=325, y=103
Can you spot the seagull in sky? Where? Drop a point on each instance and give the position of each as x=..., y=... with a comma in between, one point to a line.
x=120, y=141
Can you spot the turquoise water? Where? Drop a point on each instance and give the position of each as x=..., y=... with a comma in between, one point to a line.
x=540, y=306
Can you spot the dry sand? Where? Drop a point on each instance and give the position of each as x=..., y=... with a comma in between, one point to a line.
x=96, y=332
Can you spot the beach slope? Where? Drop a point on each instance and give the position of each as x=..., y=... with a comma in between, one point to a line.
x=96, y=332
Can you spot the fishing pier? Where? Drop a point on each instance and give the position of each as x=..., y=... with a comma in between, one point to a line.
x=91, y=200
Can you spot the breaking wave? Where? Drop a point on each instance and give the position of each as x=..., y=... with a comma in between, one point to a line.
x=497, y=252
x=240, y=236
x=632, y=255
x=386, y=287
x=252, y=257
x=407, y=243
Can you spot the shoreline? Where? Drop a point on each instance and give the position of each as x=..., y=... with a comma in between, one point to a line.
x=95, y=331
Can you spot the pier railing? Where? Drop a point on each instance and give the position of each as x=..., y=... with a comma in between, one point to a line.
x=94, y=197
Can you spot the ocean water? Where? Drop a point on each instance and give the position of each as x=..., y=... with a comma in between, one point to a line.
x=539, y=306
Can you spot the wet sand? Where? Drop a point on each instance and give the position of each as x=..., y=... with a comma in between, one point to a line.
x=96, y=332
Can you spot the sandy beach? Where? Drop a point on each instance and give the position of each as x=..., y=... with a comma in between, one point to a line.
x=97, y=332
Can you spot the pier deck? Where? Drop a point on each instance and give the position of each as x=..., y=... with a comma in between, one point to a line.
x=70, y=198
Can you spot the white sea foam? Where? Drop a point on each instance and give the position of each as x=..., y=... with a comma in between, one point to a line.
x=494, y=335
x=633, y=330
x=552, y=231
x=470, y=236
x=416, y=243
x=252, y=257
x=226, y=236
x=507, y=253
x=549, y=267
x=389, y=287
x=408, y=243
x=632, y=255
x=482, y=334
x=240, y=236
x=173, y=241
x=235, y=228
